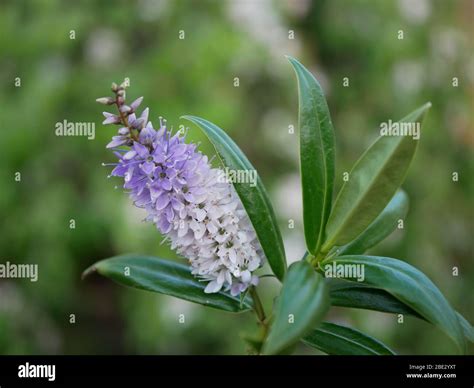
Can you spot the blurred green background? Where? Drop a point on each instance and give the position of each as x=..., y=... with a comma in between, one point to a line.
x=62, y=177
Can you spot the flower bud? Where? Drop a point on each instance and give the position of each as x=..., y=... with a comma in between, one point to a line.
x=144, y=115
x=110, y=118
x=135, y=104
x=125, y=109
x=106, y=100
x=137, y=124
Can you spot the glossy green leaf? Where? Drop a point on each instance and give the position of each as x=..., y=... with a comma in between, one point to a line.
x=165, y=277
x=382, y=226
x=407, y=284
x=316, y=156
x=373, y=181
x=341, y=340
x=362, y=296
x=345, y=293
x=467, y=328
x=254, y=199
x=301, y=305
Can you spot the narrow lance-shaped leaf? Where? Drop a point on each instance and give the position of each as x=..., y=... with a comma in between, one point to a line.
x=165, y=277
x=345, y=293
x=316, y=156
x=373, y=181
x=407, y=284
x=301, y=305
x=341, y=340
x=254, y=198
x=362, y=296
x=380, y=228
x=467, y=328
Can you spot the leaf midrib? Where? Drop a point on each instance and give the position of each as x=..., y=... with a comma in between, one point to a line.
x=348, y=340
x=326, y=179
x=193, y=285
x=391, y=269
x=369, y=187
x=404, y=273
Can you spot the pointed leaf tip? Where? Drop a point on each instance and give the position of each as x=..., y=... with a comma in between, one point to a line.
x=165, y=277
x=317, y=159
x=88, y=271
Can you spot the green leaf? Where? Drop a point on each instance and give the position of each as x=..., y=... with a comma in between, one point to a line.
x=254, y=199
x=165, y=277
x=373, y=181
x=362, y=296
x=407, y=284
x=466, y=327
x=382, y=226
x=316, y=156
x=341, y=340
x=345, y=293
x=304, y=298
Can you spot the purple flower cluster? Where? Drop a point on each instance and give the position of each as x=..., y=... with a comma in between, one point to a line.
x=184, y=197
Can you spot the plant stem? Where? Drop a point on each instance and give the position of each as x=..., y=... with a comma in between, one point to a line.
x=124, y=119
x=260, y=312
x=258, y=307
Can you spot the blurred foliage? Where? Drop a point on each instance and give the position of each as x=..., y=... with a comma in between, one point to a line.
x=62, y=177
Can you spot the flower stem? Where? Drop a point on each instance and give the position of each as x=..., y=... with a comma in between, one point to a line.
x=262, y=319
x=124, y=120
x=258, y=307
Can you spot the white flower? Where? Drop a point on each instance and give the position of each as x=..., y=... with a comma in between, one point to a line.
x=218, y=239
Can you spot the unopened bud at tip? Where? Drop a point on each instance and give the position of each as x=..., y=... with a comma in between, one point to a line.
x=105, y=100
